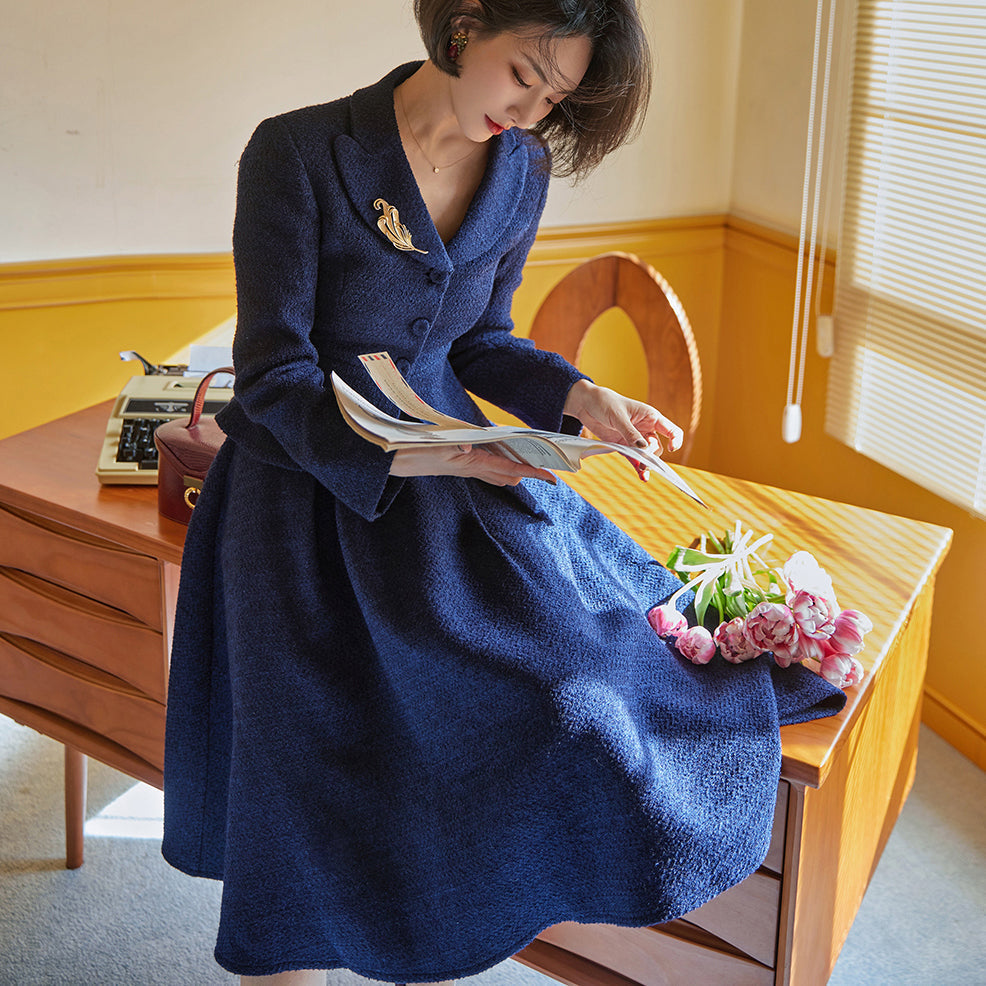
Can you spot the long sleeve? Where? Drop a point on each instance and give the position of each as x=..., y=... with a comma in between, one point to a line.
x=279, y=383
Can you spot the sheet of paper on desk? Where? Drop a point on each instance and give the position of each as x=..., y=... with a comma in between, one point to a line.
x=203, y=359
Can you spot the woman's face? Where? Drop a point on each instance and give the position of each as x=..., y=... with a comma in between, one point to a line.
x=505, y=81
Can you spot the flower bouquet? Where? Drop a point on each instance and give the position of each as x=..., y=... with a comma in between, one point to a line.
x=790, y=612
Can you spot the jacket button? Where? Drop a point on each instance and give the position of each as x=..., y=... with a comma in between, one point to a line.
x=437, y=276
x=403, y=364
x=420, y=326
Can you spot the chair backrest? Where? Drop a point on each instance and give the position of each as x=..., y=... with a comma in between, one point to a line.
x=621, y=280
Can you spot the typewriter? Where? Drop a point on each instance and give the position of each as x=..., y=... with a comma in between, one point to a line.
x=163, y=393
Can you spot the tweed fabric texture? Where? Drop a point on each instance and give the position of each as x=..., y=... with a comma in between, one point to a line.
x=412, y=723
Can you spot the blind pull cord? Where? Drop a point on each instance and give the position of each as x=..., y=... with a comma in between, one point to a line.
x=811, y=191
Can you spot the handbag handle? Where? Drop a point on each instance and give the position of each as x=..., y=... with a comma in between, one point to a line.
x=199, y=402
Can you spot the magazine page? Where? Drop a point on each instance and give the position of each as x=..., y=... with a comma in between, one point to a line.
x=394, y=433
x=391, y=382
x=576, y=446
x=542, y=449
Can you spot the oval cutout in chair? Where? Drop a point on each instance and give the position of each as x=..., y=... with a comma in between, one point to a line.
x=624, y=281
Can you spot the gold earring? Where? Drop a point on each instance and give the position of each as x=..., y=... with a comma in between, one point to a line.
x=458, y=41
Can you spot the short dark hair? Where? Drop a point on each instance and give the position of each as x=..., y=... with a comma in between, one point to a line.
x=607, y=108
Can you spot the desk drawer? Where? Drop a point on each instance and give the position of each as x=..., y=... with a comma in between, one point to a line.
x=85, y=564
x=653, y=957
x=730, y=940
x=39, y=676
x=79, y=627
x=747, y=915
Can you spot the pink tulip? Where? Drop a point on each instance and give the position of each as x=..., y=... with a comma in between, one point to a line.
x=732, y=641
x=841, y=670
x=813, y=613
x=808, y=647
x=850, y=628
x=667, y=621
x=771, y=627
x=696, y=645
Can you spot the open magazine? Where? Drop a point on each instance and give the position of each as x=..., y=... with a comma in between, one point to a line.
x=542, y=449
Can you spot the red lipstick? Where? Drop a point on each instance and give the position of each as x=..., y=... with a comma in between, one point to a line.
x=495, y=128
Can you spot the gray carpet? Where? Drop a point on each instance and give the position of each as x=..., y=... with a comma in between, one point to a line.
x=126, y=918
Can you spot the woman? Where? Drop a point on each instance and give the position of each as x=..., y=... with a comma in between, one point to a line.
x=416, y=712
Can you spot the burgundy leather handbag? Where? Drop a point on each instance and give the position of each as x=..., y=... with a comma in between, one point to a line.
x=185, y=452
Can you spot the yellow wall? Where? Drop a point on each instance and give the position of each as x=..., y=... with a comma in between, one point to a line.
x=754, y=340
x=69, y=319
x=62, y=325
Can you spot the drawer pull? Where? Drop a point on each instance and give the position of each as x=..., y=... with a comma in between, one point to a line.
x=38, y=676
x=88, y=631
x=105, y=572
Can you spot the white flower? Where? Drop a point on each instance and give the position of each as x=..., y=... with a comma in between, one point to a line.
x=801, y=571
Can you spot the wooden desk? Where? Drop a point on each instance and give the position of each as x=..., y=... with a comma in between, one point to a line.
x=88, y=577
x=88, y=580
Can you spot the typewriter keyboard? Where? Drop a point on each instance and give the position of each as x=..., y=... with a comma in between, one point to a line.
x=137, y=442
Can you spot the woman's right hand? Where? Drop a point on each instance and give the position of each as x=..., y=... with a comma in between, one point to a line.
x=464, y=460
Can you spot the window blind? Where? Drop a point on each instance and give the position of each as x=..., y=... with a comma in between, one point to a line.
x=907, y=380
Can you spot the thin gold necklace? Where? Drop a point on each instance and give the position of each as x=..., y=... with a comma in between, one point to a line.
x=434, y=167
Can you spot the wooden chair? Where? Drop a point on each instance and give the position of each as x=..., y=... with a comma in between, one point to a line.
x=621, y=280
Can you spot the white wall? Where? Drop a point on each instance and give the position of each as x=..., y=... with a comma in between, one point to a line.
x=682, y=163
x=772, y=107
x=121, y=122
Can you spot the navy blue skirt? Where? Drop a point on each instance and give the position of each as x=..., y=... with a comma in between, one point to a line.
x=407, y=746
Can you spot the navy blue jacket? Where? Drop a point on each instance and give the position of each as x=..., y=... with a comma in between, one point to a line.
x=318, y=283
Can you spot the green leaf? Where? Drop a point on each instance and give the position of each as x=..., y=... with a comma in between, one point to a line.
x=694, y=557
x=703, y=598
x=721, y=601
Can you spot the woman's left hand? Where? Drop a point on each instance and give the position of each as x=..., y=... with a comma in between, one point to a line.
x=612, y=417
